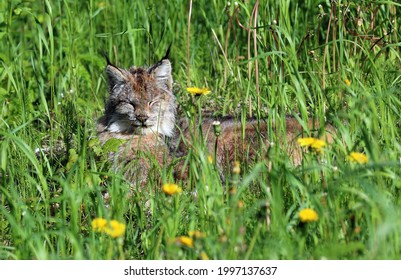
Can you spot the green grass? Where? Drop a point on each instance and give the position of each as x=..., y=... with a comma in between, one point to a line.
x=53, y=88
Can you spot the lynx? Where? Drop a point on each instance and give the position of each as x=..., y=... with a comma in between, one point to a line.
x=140, y=110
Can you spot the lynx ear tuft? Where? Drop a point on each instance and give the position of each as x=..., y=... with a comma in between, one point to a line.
x=115, y=76
x=162, y=73
x=167, y=55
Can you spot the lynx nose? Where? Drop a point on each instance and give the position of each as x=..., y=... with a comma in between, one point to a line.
x=142, y=119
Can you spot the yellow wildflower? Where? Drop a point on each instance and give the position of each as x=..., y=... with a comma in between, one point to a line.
x=306, y=142
x=347, y=82
x=204, y=256
x=308, y=215
x=171, y=189
x=316, y=144
x=196, y=234
x=198, y=91
x=358, y=157
x=210, y=159
x=187, y=241
x=115, y=229
x=99, y=224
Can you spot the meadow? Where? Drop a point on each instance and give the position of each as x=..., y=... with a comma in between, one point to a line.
x=334, y=61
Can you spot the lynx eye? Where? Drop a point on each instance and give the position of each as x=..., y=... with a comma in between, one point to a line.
x=151, y=103
x=131, y=103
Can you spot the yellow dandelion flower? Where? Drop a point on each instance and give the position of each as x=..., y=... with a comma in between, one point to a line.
x=358, y=158
x=196, y=234
x=187, y=241
x=99, y=224
x=115, y=229
x=308, y=215
x=319, y=144
x=204, y=256
x=171, y=189
x=210, y=159
x=347, y=82
x=309, y=142
x=198, y=91
x=306, y=142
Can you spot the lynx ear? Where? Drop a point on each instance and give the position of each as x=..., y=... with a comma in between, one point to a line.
x=116, y=76
x=162, y=73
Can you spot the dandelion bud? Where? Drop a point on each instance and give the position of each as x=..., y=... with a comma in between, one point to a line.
x=274, y=22
x=236, y=168
x=216, y=128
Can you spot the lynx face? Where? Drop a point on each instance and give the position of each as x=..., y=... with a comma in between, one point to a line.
x=141, y=100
